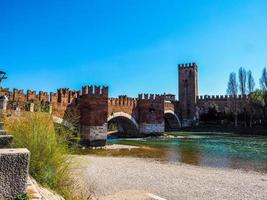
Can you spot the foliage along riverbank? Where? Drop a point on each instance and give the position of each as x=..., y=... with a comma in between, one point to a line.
x=49, y=162
x=225, y=128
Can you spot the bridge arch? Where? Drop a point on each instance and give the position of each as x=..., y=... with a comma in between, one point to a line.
x=125, y=124
x=172, y=121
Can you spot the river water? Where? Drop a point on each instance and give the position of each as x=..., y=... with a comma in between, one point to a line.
x=202, y=149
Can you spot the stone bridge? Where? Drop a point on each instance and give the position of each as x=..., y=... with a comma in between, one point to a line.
x=131, y=117
x=143, y=115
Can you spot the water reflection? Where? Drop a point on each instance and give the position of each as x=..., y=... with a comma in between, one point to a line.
x=204, y=149
x=189, y=152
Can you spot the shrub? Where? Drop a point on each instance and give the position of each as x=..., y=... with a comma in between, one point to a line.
x=49, y=163
x=22, y=196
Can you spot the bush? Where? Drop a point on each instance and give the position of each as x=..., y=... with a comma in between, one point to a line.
x=49, y=163
x=23, y=196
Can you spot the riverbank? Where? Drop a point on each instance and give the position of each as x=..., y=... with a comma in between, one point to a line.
x=209, y=127
x=120, y=176
x=119, y=146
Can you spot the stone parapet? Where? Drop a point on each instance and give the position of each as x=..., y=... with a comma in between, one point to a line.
x=14, y=170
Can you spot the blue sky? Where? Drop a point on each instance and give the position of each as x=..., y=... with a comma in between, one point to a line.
x=132, y=46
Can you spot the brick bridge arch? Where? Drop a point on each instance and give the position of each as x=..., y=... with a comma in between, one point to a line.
x=172, y=121
x=125, y=123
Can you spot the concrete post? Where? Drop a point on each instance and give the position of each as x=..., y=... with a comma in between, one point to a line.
x=31, y=107
x=4, y=138
x=3, y=103
x=14, y=171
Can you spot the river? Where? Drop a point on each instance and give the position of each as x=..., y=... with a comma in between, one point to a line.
x=219, y=150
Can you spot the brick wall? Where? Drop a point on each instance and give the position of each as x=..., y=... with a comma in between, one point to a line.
x=188, y=89
x=122, y=104
x=150, y=113
x=93, y=106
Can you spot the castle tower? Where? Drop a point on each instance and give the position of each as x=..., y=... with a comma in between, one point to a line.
x=188, y=90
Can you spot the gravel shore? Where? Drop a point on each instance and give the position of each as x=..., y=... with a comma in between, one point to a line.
x=120, y=146
x=112, y=175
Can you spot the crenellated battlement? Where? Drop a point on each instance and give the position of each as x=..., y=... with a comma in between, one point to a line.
x=31, y=92
x=63, y=91
x=187, y=66
x=147, y=96
x=43, y=93
x=53, y=97
x=122, y=100
x=17, y=91
x=18, y=95
x=62, y=95
x=32, y=96
x=95, y=90
x=43, y=96
x=73, y=94
x=219, y=97
x=5, y=91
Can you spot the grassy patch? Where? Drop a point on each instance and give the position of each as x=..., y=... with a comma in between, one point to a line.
x=49, y=163
x=22, y=196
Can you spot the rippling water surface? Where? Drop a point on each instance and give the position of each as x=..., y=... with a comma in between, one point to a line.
x=203, y=149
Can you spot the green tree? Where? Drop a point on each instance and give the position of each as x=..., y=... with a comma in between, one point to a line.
x=258, y=103
x=250, y=89
x=232, y=90
x=242, y=74
x=263, y=79
x=263, y=83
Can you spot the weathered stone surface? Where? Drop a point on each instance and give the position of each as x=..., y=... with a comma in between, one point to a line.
x=14, y=169
x=3, y=102
x=151, y=128
x=31, y=107
x=94, y=135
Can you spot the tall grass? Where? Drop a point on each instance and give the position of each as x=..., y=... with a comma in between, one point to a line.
x=49, y=163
